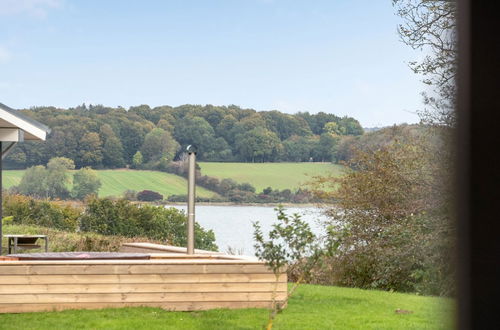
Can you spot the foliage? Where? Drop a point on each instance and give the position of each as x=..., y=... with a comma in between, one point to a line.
x=58, y=176
x=245, y=193
x=313, y=307
x=396, y=213
x=137, y=160
x=258, y=144
x=123, y=218
x=105, y=137
x=34, y=182
x=431, y=26
x=47, y=182
x=349, y=146
x=53, y=181
x=291, y=243
x=149, y=196
x=90, y=150
x=85, y=183
x=107, y=217
x=28, y=211
x=158, y=144
x=112, y=148
x=130, y=195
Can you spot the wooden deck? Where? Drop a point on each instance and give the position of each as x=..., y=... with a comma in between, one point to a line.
x=171, y=281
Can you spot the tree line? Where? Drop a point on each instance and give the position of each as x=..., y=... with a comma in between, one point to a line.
x=143, y=137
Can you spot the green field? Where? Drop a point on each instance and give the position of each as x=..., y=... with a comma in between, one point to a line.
x=115, y=182
x=312, y=307
x=260, y=175
x=274, y=175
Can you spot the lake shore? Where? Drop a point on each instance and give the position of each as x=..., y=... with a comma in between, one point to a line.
x=295, y=205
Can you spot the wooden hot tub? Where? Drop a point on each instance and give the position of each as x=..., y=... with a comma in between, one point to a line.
x=171, y=281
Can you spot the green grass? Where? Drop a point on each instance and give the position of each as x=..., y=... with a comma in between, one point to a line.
x=115, y=182
x=274, y=175
x=260, y=175
x=312, y=307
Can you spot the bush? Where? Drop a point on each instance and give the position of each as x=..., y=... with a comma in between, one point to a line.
x=123, y=218
x=149, y=196
x=28, y=211
x=130, y=195
x=107, y=217
x=395, y=212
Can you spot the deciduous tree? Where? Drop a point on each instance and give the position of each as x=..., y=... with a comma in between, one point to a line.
x=85, y=183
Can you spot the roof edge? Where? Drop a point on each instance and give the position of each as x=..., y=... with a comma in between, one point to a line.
x=22, y=116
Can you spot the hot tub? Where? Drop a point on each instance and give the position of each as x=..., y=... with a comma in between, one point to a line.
x=90, y=280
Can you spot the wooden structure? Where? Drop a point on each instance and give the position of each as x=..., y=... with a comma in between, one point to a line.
x=21, y=242
x=176, y=281
x=159, y=248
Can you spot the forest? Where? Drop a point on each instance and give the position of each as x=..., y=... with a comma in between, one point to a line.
x=150, y=138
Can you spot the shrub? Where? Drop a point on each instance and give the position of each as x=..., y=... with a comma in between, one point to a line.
x=121, y=217
x=130, y=195
x=291, y=244
x=395, y=210
x=28, y=211
x=149, y=196
x=107, y=217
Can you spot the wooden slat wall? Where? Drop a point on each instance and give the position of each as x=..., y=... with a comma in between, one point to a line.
x=174, y=285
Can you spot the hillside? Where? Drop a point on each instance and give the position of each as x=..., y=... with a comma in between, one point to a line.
x=115, y=182
x=260, y=175
x=274, y=175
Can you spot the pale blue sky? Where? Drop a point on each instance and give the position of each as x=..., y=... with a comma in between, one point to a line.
x=341, y=57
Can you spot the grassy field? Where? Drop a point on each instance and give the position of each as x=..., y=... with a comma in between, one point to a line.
x=260, y=175
x=115, y=182
x=312, y=307
x=274, y=175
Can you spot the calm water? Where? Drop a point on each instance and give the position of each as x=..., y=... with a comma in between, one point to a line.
x=233, y=228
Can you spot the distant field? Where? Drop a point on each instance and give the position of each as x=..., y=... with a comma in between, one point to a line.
x=274, y=175
x=260, y=175
x=115, y=182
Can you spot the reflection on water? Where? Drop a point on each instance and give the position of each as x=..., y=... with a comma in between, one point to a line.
x=233, y=228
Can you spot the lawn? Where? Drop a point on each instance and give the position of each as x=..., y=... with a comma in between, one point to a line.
x=274, y=175
x=312, y=307
x=115, y=182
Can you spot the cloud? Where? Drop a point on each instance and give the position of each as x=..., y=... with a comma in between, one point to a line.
x=4, y=55
x=35, y=8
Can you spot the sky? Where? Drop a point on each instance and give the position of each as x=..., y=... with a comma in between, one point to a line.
x=343, y=57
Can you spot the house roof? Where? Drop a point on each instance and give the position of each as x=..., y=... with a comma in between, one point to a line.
x=33, y=130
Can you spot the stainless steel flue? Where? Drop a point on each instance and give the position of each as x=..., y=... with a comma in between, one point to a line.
x=191, y=197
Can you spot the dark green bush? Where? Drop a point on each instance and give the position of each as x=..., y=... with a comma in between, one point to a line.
x=121, y=217
x=107, y=217
x=149, y=196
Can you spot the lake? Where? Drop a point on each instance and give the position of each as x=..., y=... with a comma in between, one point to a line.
x=233, y=228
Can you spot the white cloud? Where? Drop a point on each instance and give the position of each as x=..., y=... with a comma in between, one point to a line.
x=4, y=55
x=35, y=8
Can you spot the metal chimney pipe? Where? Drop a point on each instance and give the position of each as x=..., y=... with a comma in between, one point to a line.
x=191, y=197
